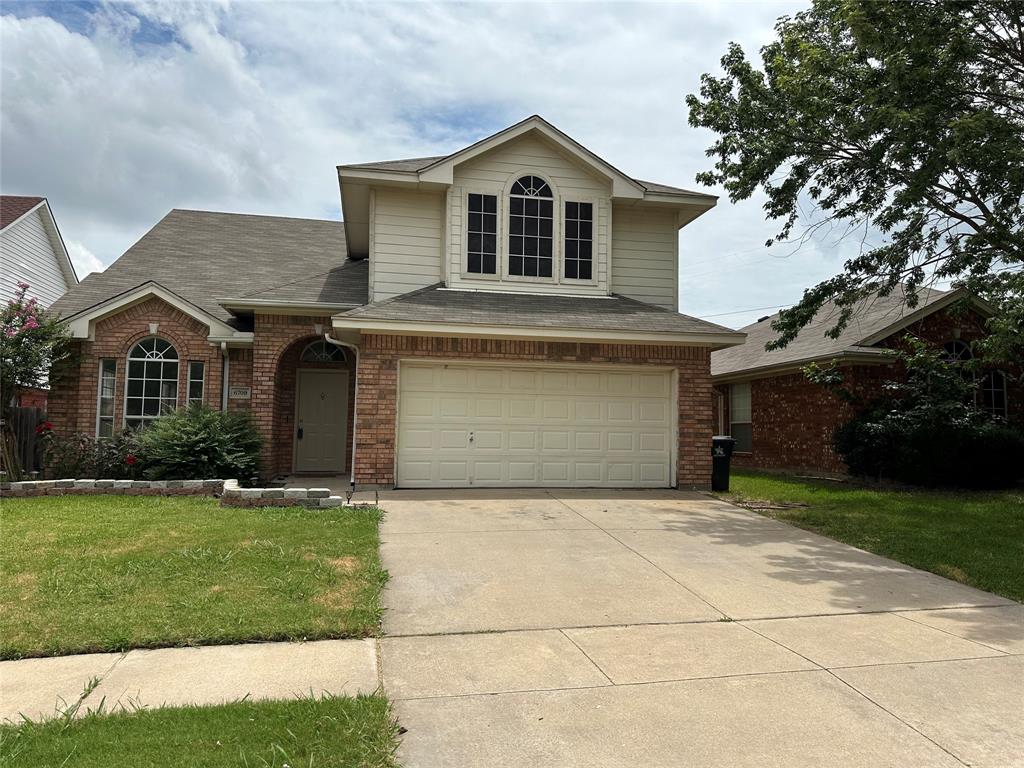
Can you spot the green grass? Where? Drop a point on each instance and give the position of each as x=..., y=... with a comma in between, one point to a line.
x=972, y=537
x=107, y=573
x=320, y=733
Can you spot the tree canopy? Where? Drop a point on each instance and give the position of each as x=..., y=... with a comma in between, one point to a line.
x=901, y=121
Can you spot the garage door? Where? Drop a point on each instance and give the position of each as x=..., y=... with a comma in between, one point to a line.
x=482, y=425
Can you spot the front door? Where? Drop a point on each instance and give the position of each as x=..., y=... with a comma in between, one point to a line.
x=321, y=421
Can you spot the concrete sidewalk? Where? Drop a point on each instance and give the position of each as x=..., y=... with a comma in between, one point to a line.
x=585, y=628
x=40, y=688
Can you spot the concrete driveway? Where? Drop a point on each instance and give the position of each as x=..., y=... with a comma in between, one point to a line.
x=628, y=628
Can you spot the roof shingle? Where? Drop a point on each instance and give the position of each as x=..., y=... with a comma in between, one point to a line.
x=614, y=313
x=13, y=207
x=203, y=256
x=871, y=316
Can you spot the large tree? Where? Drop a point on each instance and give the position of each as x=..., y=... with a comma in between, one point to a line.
x=902, y=122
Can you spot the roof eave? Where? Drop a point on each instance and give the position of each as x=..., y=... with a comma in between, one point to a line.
x=711, y=340
x=879, y=357
x=947, y=299
x=232, y=304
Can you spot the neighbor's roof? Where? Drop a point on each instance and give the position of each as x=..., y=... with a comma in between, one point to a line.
x=202, y=255
x=873, y=316
x=13, y=207
x=491, y=308
x=417, y=164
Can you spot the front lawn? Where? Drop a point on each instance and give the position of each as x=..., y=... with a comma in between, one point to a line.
x=305, y=732
x=107, y=573
x=975, y=538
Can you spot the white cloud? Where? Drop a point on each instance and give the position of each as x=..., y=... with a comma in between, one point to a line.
x=84, y=260
x=249, y=106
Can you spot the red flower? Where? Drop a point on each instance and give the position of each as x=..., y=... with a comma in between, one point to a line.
x=46, y=426
x=130, y=459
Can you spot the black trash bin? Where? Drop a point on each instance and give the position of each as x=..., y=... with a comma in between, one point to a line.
x=721, y=454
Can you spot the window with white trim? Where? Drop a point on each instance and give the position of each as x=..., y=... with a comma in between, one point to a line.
x=992, y=394
x=579, y=241
x=151, y=386
x=740, y=426
x=482, y=235
x=531, y=228
x=105, y=398
x=320, y=351
x=196, y=381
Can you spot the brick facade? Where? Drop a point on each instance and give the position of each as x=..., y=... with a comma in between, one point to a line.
x=378, y=391
x=73, y=395
x=278, y=343
x=794, y=421
x=271, y=368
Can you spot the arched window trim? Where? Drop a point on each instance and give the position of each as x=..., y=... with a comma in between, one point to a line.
x=159, y=363
x=320, y=351
x=530, y=228
x=957, y=351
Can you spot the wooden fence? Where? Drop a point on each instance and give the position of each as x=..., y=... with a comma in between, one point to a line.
x=22, y=441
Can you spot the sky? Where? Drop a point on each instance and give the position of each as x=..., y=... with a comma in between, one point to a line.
x=118, y=113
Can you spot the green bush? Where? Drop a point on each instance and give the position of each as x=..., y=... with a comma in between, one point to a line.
x=84, y=456
x=878, y=443
x=927, y=428
x=198, y=443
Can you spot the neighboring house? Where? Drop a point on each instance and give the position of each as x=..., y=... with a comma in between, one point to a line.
x=32, y=252
x=781, y=420
x=501, y=316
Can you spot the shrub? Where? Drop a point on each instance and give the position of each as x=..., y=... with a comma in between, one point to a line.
x=80, y=456
x=197, y=442
x=926, y=429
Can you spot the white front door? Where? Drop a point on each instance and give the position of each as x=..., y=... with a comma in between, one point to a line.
x=523, y=425
x=321, y=421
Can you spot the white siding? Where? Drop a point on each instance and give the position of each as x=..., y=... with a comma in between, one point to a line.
x=406, y=235
x=27, y=255
x=492, y=173
x=645, y=251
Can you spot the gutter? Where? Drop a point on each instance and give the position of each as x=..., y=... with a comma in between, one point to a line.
x=225, y=376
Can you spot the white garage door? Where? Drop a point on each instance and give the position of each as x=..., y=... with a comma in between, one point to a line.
x=483, y=425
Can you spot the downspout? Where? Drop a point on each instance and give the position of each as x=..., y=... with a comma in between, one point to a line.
x=225, y=374
x=355, y=403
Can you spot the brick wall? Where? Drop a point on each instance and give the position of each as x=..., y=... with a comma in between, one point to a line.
x=794, y=420
x=277, y=345
x=378, y=390
x=73, y=391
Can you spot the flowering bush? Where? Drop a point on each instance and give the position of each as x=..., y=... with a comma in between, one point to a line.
x=31, y=341
x=83, y=456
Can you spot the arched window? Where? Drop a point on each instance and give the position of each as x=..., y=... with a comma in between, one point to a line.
x=530, y=228
x=992, y=394
x=152, y=386
x=957, y=352
x=322, y=352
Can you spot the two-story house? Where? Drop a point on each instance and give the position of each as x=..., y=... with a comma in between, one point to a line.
x=505, y=315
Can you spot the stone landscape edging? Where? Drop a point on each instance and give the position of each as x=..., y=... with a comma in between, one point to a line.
x=230, y=492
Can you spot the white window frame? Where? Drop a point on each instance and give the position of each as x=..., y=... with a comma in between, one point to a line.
x=464, y=245
x=595, y=208
x=986, y=380
x=189, y=381
x=127, y=380
x=556, y=231
x=99, y=397
x=750, y=415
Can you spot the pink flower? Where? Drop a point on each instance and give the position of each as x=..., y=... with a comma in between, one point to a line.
x=130, y=459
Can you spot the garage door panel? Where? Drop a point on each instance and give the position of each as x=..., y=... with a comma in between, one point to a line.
x=532, y=426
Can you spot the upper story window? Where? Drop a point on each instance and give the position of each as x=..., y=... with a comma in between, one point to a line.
x=957, y=352
x=579, y=241
x=152, y=384
x=530, y=228
x=482, y=250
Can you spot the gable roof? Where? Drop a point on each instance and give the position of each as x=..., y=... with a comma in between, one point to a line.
x=570, y=317
x=13, y=207
x=874, y=319
x=441, y=164
x=203, y=255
